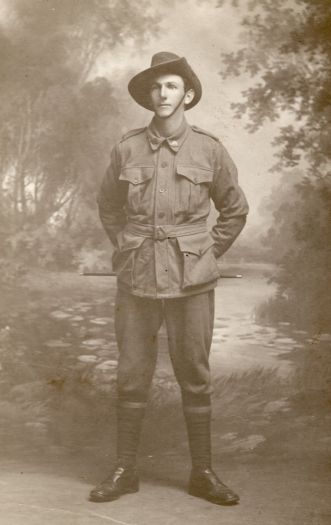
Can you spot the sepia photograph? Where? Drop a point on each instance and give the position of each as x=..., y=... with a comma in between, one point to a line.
x=165, y=276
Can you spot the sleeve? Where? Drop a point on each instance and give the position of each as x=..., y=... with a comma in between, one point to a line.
x=112, y=197
x=229, y=201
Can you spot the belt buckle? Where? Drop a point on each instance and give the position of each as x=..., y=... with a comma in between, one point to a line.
x=160, y=234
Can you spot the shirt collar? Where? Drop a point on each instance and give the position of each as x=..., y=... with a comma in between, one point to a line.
x=174, y=141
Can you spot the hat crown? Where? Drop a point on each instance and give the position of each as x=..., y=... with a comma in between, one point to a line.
x=163, y=63
x=163, y=57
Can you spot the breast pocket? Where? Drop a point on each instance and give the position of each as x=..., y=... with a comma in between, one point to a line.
x=139, y=178
x=192, y=189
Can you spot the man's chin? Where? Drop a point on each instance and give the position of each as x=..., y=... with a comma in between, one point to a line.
x=163, y=112
x=162, y=117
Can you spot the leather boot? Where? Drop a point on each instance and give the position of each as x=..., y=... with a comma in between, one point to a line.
x=205, y=484
x=124, y=480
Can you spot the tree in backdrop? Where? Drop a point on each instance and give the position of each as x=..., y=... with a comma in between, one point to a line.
x=57, y=120
x=287, y=51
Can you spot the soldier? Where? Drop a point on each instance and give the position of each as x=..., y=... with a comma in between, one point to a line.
x=154, y=202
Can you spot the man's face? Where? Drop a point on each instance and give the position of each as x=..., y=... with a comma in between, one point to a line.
x=168, y=94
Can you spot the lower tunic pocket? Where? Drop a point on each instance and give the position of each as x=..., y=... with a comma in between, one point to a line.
x=124, y=256
x=199, y=262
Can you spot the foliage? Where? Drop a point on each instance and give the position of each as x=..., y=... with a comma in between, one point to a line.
x=57, y=118
x=304, y=274
x=250, y=248
x=288, y=53
x=280, y=209
x=93, y=259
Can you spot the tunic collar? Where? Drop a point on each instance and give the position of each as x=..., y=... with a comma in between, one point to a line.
x=174, y=141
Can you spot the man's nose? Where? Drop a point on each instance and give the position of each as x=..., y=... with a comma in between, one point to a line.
x=163, y=92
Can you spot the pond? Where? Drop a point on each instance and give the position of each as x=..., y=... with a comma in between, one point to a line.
x=58, y=357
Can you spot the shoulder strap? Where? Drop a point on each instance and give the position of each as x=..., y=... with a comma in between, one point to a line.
x=204, y=132
x=132, y=133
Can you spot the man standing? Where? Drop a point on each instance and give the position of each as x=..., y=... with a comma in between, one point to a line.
x=154, y=202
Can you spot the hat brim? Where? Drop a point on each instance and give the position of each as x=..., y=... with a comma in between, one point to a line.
x=139, y=85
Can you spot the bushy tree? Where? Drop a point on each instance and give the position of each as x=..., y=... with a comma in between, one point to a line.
x=287, y=52
x=287, y=48
x=57, y=119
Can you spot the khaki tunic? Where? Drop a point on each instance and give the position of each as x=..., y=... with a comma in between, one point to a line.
x=154, y=202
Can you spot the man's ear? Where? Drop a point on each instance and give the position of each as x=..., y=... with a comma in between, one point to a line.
x=189, y=96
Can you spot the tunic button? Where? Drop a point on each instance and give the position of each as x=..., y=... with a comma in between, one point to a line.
x=164, y=164
x=173, y=143
x=135, y=180
x=161, y=215
x=161, y=190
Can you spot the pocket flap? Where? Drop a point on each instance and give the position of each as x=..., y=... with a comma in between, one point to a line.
x=194, y=174
x=137, y=174
x=197, y=243
x=128, y=241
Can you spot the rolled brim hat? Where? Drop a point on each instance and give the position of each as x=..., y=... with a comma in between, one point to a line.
x=163, y=63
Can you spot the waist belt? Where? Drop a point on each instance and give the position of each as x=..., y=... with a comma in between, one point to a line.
x=165, y=231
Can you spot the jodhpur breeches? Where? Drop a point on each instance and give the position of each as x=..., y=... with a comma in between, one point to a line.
x=189, y=323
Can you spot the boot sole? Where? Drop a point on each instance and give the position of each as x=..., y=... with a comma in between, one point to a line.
x=104, y=499
x=216, y=501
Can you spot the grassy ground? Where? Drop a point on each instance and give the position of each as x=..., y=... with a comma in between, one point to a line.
x=58, y=366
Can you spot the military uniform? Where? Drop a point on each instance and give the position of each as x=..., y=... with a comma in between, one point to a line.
x=154, y=203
